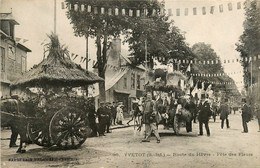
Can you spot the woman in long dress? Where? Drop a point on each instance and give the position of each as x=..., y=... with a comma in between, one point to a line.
x=119, y=115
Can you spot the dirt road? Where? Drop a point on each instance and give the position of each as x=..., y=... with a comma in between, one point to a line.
x=123, y=149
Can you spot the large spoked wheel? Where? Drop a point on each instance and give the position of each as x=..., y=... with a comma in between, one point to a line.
x=38, y=134
x=176, y=125
x=68, y=128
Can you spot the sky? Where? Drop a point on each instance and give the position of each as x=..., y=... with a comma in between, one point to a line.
x=221, y=30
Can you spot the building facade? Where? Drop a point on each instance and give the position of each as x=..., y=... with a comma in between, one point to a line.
x=124, y=82
x=13, y=54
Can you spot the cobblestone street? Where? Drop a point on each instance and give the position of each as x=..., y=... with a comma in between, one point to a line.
x=123, y=148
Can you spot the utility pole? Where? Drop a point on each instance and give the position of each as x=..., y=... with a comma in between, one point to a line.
x=87, y=60
x=54, y=16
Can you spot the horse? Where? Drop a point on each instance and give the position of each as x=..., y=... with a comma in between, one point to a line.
x=11, y=117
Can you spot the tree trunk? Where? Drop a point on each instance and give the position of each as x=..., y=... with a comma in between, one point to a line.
x=101, y=69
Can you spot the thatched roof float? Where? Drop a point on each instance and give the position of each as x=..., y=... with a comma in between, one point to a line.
x=57, y=70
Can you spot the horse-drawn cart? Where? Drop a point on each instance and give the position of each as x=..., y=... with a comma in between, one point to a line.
x=57, y=115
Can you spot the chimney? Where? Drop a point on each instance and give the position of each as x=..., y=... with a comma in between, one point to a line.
x=114, y=54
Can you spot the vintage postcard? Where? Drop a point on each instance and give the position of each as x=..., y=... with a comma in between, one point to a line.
x=130, y=83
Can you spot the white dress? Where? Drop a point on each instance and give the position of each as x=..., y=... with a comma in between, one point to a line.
x=119, y=114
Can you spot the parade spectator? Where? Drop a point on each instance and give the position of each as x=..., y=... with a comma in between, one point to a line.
x=149, y=119
x=113, y=113
x=119, y=114
x=109, y=113
x=92, y=117
x=204, y=115
x=102, y=118
x=224, y=112
x=258, y=115
x=245, y=116
x=134, y=112
x=191, y=107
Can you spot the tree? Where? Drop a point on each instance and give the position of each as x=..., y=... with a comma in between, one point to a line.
x=108, y=24
x=204, y=52
x=249, y=41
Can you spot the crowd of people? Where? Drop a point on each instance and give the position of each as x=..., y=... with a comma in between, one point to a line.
x=106, y=115
x=153, y=110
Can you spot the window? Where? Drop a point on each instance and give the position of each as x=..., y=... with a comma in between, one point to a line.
x=125, y=83
x=133, y=80
x=11, y=52
x=2, y=59
x=138, y=84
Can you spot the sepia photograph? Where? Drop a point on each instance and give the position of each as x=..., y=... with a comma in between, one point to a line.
x=130, y=83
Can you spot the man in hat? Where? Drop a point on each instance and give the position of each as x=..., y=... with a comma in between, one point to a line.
x=224, y=112
x=113, y=113
x=92, y=117
x=245, y=115
x=109, y=113
x=102, y=118
x=204, y=115
x=149, y=118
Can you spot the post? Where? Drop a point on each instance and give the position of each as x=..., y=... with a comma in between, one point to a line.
x=54, y=16
x=87, y=60
x=251, y=73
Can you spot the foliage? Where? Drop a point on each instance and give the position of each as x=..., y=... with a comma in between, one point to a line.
x=202, y=52
x=249, y=41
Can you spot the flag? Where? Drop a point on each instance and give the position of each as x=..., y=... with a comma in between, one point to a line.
x=186, y=11
x=177, y=12
x=194, y=11
x=75, y=57
x=137, y=13
x=102, y=10
x=202, y=86
x=62, y=5
x=212, y=9
x=188, y=68
x=220, y=8
x=195, y=90
x=17, y=39
x=76, y=7
x=130, y=12
x=109, y=11
x=123, y=12
x=82, y=7
x=25, y=40
x=89, y=8
x=116, y=11
x=204, y=10
x=169, y=12
x=230, y=6
x=191, y=82
x=95, y=10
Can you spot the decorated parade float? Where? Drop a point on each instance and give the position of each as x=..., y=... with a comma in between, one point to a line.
x=168, y=89
x=57, y=115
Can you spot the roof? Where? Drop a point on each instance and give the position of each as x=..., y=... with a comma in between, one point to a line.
x=57, y=70
x=9, y=17
x=19, y=45
x=112, y=81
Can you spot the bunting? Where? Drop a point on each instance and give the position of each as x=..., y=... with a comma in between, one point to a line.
x=144, y=12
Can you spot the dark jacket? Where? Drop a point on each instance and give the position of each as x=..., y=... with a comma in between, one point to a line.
x=224, y=111
x=246, y=113
x=149, y=108
x=204, y=112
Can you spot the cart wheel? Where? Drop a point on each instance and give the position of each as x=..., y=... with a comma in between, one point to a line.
x=37, y=135
x=68, y=128
x=176, y=125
